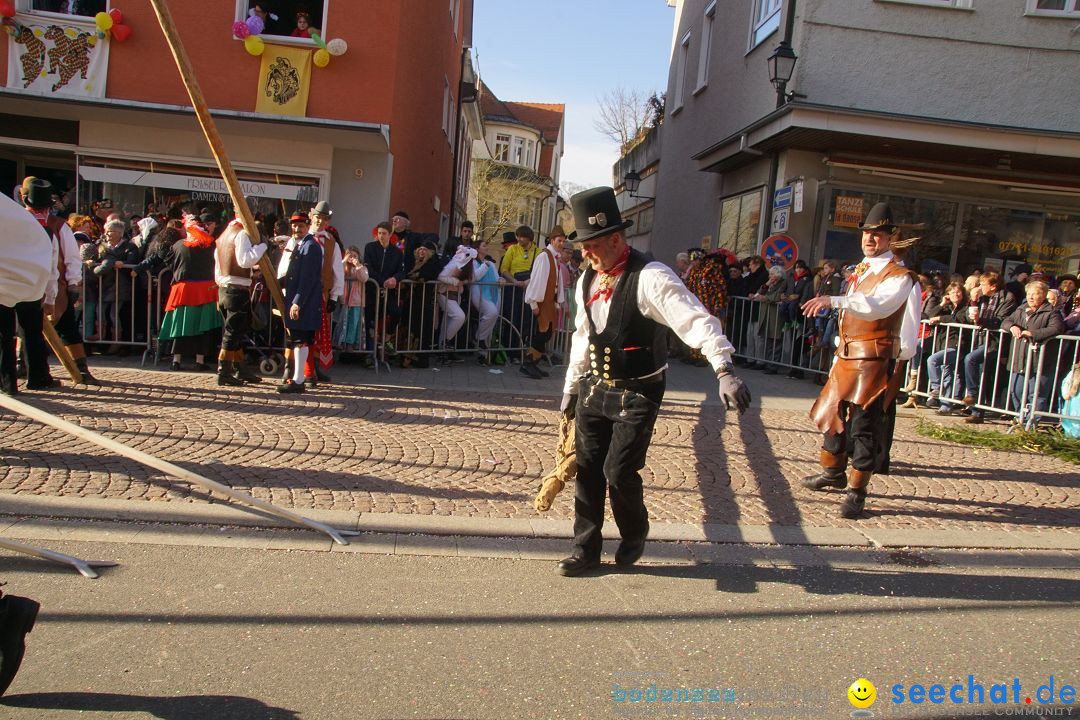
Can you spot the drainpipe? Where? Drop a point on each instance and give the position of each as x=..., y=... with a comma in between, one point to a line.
x=457, y=149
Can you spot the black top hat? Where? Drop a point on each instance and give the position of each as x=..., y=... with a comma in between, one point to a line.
x=323, y=208
x=509, y=238
x=596, y=213
x=880, y=217
x=1022, y=268
x=38, y=194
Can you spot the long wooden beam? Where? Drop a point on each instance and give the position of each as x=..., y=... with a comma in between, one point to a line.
x=217, y=147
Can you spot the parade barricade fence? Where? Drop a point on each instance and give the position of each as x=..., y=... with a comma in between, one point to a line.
x=122, y=314
x=421, y=319
x=775, y=336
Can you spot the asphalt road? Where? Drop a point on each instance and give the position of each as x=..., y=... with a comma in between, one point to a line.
x=182, y=633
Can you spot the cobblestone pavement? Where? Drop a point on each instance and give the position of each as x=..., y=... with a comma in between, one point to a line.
x=479, y=452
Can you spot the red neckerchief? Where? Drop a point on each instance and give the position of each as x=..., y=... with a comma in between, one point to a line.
x=39, y=216
x=608, y=278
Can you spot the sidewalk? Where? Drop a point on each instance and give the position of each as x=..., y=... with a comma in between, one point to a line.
x=460, y=451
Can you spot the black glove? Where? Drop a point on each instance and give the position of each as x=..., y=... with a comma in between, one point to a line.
x=734, y=392
x=568, y=406
x=331, y=306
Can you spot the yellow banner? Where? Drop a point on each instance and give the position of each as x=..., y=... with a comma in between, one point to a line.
x=284, y=81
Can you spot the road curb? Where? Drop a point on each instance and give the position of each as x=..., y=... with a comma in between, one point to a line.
x=16, y=506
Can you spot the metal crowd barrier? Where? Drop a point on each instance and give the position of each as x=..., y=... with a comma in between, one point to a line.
x=768, y=338
x=117, y=316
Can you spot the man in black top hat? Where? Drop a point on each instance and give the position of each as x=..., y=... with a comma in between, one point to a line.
x=615, y=379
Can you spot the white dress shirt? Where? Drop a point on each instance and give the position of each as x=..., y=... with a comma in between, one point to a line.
x=537, y=287
x=661, y=296
x=885, y=299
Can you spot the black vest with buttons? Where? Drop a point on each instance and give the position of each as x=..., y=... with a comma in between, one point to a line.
x=631, y=345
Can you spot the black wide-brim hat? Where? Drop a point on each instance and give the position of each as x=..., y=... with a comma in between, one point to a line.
x=880, y=217
x=596, y=213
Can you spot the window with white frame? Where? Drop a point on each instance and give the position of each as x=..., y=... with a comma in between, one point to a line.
x=964, y=4
x=706, y=46
x=1054, y=8
x=287, y=18
x=85, y=8
x=766, y=20
x=517, y=150
x=680, y=71
x=502, y=147
x=530, y=149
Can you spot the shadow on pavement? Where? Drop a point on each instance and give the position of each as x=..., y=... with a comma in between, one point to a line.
x=183, y=707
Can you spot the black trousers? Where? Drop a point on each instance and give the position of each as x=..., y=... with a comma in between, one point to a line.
x=867, y=436
x=234, y=302
x=67, y=327
x=614, y=429
x=30, y=320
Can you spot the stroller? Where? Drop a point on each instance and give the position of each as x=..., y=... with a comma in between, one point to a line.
x=260, y=346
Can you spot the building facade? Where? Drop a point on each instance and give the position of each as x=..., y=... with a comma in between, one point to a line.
x=516, y=166
x=377, y=134
x=642, y=162
x=957, y=112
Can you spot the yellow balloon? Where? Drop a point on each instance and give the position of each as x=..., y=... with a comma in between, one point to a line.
x=322, y=58
x=104, y=21
x=254, y=45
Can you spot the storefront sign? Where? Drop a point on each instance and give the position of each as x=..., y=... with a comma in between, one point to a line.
x=848, y=212
x=193, y=184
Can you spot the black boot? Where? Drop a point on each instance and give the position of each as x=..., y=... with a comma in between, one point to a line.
x=225, y=374
x=829, y=477
x=17, y=616
x=86, y=376
x=322, y=377
x=854, y=501
x=246, y=374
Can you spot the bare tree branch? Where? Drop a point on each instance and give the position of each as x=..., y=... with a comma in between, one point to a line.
x=624, y=116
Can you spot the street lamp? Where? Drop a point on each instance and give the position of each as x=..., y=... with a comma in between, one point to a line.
x=781, y=66
x=632, y=181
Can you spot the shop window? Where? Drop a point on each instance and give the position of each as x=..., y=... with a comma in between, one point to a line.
x=766, y=21
x=740, y=219
x=936, y=221
x=1054, y=8
x=996, y=238
x=287, y=18
x=85, y=8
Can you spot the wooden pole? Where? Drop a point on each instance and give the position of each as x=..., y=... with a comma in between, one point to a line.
x=60, y=349
x=166, y=467
x=217, y=147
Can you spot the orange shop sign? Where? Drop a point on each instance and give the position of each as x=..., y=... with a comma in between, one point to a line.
x=848, y=212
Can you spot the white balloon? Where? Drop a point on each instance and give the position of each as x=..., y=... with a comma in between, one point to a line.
x=337, y=47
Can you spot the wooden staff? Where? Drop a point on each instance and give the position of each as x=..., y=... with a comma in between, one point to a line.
x=60, y=349
x=217, y=147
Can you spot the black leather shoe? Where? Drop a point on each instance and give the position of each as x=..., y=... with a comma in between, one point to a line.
x=630, y=551
x=290, y=387
x=246, y=374
x=323, y=377
x=576, y=565
x=46, y=384
x=529, y=369
x=854, y=501
x=17, y=616
x=823, y=480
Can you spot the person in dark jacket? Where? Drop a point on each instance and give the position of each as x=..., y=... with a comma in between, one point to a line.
x=303, y=301
x=1034, y=323
x=945, y=379
x=995, y=304
x=386, y=267
x=116, y=284
x=798, y=289
x=418, y=302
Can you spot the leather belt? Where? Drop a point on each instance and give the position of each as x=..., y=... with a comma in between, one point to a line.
x=630, y=382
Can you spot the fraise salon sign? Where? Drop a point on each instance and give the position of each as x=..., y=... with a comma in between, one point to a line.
x=190, y=183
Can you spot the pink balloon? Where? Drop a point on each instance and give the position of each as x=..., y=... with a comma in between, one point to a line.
x=255, y=24
x=240, y=30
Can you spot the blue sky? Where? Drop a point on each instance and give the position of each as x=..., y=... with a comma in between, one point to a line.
x=574, y=52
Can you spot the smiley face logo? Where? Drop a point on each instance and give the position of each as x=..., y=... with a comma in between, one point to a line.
x=862, y=693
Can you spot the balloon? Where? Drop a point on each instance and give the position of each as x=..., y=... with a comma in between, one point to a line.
x=322, y=58
x=254, y=45
x=103, y=21
x=240, y=30
x=117, y=16
x=337, y=47
x=318, y=39
x=255, y=24
x=121, y=33
x=7, y=8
